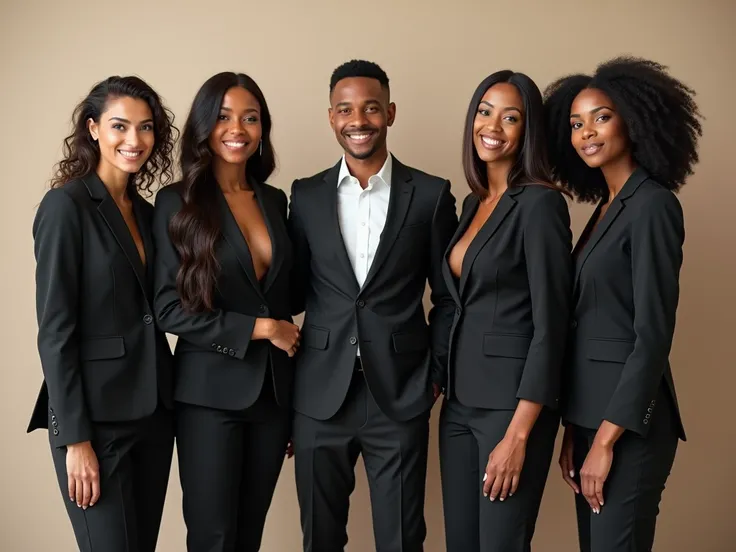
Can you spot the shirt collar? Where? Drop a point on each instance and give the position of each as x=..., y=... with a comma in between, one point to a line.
x=384, y=174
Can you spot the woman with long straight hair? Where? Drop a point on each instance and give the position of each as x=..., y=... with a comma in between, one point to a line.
x=508, y=269
x=222, y=286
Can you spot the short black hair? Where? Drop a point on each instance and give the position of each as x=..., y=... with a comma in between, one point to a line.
x=659, y=112
x=359, y=68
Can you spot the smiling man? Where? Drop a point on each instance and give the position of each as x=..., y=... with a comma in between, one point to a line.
x=368, y=235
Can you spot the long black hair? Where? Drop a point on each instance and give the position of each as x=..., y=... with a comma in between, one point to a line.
x=195, y=229
x=659, y=112
x=81, y=154
x=532, y=164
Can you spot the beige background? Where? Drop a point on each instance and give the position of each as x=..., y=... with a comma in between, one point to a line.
x=53, y=51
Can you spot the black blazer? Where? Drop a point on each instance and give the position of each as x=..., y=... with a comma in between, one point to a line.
x=217, y=363
x=625, y=298
x=400, y=353
x=507, y=339
x=102, y=356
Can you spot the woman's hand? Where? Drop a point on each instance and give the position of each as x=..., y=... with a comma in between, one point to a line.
x=594, y=473
x=566, y=460
x=504, y=468
x=285, y=336
x=83, y=474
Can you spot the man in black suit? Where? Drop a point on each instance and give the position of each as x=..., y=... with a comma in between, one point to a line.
x=368, y=234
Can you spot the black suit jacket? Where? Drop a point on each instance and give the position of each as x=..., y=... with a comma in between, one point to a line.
x=400, y=353
x=217, y=363
x=102, y=356
x=625, y=299
x=507, y=339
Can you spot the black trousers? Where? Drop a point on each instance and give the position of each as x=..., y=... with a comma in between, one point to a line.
x=472, y=522
x=135, y=461
x=634, y=486
x=229, y=463
x=395, y=458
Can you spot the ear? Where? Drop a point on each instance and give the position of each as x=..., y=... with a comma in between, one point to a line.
x=331, y=115
x=391, y=113
x=93, y=128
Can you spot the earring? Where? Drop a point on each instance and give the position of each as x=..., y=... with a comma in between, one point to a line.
x=260, y=148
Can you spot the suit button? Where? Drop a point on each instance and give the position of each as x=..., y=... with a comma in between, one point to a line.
x=147, y=319
x=213, y=345
x=219, y=349
x=353, y=340
x=53, y=417
x=55, y=423
x=574, y=324
x=56, y=431
x=225, y=350
x=361, y=303
x=231, y=352
x=51, y=410
x=646, y=422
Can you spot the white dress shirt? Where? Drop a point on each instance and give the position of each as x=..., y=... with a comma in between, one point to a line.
x=362, y=215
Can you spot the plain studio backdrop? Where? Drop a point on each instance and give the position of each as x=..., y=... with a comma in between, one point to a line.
x=435, y=53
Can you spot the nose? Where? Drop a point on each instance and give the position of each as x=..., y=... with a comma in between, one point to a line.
x=588, y=133
x=133, y=138
x=494, y=124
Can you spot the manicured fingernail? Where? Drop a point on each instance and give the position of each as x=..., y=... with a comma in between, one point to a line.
x=572, y=473
x=502, y=499
x=492, y=499
x=485, y=476
x=84, y=507
x=511, y=494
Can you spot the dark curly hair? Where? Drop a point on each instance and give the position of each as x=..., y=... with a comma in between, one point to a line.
x=531, y=165
x=359, y=68
x=81, y=154
x=660, y=114
x=195, y=229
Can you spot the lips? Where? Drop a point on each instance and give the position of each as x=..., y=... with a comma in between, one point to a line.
x=235, y=145
x=131, y=155
x=359, y=137
x=591, y=149
x=491, y=143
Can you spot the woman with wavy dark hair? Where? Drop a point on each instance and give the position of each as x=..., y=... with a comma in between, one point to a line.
x=508, y=269
x=626, y=138
x=106, y=397
x=222, y=287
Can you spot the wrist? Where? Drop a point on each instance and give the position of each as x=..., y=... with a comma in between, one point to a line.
x=265, y=328
x=74, y=446
x=517, y=436
x=603, y=442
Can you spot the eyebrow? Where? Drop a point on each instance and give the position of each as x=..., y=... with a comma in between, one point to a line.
x=347, y=104
x=122, y=120
x=512, y=108
x=229, y=110
x=594, y=111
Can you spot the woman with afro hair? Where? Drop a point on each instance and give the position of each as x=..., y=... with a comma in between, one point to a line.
x=626, y=138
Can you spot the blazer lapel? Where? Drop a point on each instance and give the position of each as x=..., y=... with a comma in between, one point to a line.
x=328, y=194
x=145, y=229
x=234, y=237
x=465, y=218
x=499, y=214
x=273, y=225
x=398, y=205
x=114, y=219
x=614, y=210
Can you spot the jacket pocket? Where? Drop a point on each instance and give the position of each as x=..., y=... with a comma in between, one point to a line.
x=102, y=348
x=316, y=338
x=410, y=342
x=608, y=350
x=508, y=346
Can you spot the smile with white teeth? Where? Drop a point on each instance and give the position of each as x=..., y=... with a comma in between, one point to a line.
x=491, y=143
x=234, y=145
x=360, y=138
x=130, y=154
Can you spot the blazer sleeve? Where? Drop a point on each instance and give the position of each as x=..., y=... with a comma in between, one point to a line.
x=302, y=255
x=547, y=247
x=226, y=332
x=658, y=233
x=57, y=235
x=444, y=225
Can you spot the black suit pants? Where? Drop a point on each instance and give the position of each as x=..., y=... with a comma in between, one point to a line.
x=395, y=458
x=135, y=461
x=472, y=522
x=229, y=463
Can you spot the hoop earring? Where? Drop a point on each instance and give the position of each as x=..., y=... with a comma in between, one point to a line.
x=260, y=148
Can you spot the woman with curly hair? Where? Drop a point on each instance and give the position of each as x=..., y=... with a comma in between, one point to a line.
x=223, y=268
x=625, y=137
x=106, y=396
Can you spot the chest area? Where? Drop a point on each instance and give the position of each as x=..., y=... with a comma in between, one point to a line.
x=251, y=224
